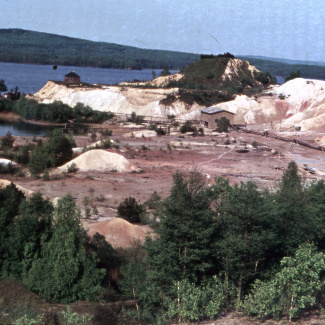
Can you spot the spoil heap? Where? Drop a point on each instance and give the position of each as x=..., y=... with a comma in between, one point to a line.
x=119, y=232
x=100, y=160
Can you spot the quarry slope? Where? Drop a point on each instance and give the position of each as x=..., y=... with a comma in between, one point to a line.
x=117, y=99
x=299, y=102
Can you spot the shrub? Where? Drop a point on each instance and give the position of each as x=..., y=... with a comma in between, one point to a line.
x=130, y=210
x=293, y=290
x=246, y=81
x=223, y=124
x=46, y=176
x=160, y=131
x=254, y=144
x=72, y=168
x=210, y=75
x=187, y=127
x=154, y=201
x=7, y=141
x=293, y=75
x=134, y=118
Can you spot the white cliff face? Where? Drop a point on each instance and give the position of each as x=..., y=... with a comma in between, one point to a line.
x=297, y=102
x=235, y=67
x=304, y=102
x=117, y=99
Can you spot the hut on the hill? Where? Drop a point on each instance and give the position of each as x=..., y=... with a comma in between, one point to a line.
x=211, y=115
x=72, y=77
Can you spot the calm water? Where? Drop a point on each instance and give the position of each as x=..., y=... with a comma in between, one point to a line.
x=29, y=78
x=23, y=129
x=32, y=77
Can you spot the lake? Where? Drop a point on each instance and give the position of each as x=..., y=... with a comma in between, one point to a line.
x=29, y=78
x=23, y=129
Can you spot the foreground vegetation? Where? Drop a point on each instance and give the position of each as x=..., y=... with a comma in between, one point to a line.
x=217, y=249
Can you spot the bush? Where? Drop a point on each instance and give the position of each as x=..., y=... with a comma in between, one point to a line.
x=154, y=201
x=223, y=125
x=72, y=168
x=134, y=118
x=210, y=75
x=254, y=144
x=187, y=127
x=130, y=210
x=160, y=131
x=293, y=290
x=293, y=75
x=246, y=81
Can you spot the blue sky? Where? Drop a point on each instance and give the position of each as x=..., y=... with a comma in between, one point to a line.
x=292, y=29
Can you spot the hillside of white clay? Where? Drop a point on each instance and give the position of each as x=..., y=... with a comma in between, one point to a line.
x=299, y=102
x=100, y=160
x=117, y=99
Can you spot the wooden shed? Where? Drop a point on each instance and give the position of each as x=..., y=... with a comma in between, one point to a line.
x=72, y=77
x=211, y=115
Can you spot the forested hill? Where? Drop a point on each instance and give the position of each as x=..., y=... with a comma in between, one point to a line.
x=277, y=68
x=23, y=46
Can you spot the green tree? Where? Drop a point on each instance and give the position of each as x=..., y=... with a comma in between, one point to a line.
x=223, y=124
x=7, y=141
x=183, y=248
x=31, y=227
x=187, y=127
x=165, y=72
x=292, y=223
x=245, y=231
x=60, y=148
x=130, y=210
x=65, y=272
x=39, y=160
x=10, y=199
x=293, y=290
x=293, y=75
x=3, y=86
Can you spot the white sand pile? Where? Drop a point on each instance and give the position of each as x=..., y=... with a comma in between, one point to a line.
x=119, y=232
x=4, y=183
x=6, y=161
x=305, y=101
x=100, y=160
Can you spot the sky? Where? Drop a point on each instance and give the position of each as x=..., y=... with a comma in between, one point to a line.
x=290, y=29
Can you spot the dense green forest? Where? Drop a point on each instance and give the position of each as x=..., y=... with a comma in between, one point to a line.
x=282, y=69
x=217, y=249
x=23, y=46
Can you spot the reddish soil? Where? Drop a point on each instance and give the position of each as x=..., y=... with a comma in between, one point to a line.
x=159, y=160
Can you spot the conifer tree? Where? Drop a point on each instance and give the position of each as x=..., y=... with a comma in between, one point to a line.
x=65, y=272
x=183, y=249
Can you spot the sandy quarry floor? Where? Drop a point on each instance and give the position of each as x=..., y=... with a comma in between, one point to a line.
x=208, y=153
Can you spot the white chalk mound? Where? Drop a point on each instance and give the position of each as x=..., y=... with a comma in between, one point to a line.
x=100, y=160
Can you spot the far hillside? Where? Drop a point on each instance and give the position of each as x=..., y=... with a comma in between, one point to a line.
x=283, y=69
x=24, y=46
